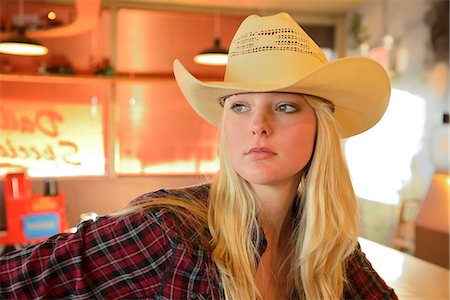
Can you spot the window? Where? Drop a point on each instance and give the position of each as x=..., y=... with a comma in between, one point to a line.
x=159, y=133
x=53, y=130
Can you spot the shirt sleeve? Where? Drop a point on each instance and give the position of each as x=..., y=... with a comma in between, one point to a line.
x=363, y=282
x=114, y=257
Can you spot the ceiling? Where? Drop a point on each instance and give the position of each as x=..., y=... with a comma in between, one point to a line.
x=87, y=11
x=328, y=6
x=232, y=6
x=309, y=6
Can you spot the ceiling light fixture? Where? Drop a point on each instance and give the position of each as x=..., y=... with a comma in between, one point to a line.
x=20, y=44
x=216, y=55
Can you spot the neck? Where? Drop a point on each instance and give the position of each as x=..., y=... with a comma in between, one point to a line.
x=275, y=211
x=275, y=204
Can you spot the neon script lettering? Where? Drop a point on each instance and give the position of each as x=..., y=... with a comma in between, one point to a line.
x=65, y=149
x=45, y=121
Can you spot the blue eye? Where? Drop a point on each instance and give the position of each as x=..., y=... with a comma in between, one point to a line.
x=287, y=108
x=239, y=108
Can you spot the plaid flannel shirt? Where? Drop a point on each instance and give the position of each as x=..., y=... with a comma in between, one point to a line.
x=141, y=255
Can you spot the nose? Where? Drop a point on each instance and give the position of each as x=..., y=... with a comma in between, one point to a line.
x=260, y=125
x=259, y=131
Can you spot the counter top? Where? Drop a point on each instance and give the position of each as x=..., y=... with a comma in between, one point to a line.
x=411, y=277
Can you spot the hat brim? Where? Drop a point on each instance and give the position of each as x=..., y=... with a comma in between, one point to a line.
x=358, y=87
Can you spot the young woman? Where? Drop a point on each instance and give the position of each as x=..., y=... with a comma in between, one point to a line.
x=280, y=218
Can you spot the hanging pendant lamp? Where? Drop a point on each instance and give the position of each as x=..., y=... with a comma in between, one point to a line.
x=216, y=55
x=20, y=44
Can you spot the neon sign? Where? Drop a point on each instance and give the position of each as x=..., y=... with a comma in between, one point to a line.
x=52, y=140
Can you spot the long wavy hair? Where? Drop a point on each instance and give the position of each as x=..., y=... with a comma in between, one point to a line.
x=325, y=228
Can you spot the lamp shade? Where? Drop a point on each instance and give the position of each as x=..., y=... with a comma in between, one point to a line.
x=216, y=55
x=20, y=44
x=433, y=222
x=435, y=213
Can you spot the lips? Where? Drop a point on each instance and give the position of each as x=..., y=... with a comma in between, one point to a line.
x=259, y=153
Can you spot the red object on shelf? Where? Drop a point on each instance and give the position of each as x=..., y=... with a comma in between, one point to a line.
x=17, y=186
x=30, y=218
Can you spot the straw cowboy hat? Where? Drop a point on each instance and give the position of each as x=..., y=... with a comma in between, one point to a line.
x=274, y=54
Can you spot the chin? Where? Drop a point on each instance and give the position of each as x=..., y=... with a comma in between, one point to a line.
x=260, y=179
x=269, y=177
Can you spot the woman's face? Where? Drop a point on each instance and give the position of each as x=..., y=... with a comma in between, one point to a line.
x=270, y=136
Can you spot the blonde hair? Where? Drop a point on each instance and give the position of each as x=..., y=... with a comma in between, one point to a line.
x=325, y=231
x=233, y=226
x=328, y=225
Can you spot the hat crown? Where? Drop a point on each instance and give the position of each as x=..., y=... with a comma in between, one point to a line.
x=274, y=54
x=271, y=50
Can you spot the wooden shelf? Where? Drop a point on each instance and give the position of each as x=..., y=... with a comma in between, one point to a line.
x=61, y=78
x=85, y=78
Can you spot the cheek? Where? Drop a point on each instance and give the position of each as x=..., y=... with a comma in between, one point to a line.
x=303, y=145
x=310, y=130
x=233, y=137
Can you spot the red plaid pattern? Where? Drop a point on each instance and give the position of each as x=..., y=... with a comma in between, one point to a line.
x=136, y=256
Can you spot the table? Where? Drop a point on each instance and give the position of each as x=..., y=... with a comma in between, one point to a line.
x=411, y=277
